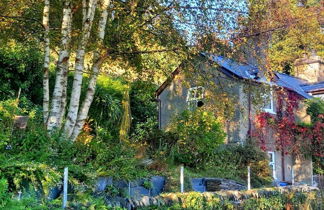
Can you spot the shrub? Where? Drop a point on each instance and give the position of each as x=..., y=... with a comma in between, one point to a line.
x=199, y=134
x=231, y=161
x=315, y=108
x=4, y=195
x=263, y=199
x=143, y=105
x=33, y=156
x=23, y=175
x=106, y=109
x=21, y=67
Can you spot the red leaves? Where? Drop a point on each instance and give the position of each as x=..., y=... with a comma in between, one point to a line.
x=289, y=136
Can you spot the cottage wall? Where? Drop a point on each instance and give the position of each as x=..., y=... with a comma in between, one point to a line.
x=172, y=101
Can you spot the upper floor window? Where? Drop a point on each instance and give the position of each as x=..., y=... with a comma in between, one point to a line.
x=195, y=97
x=301, y=3
x=268, y=102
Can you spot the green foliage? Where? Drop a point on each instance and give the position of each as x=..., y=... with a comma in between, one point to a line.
x=106, y=109
x=231, y=161
x=143, y=105
x=193, y=200
x=4, y=198
x=274, y=202
x=199, y=134
x=148, y=134
x=28, y=176
x=289, y=200
x=8, y=110
x=147, y=184
x=269, y=199
x=80, y=200
x=7, y=200
x=287, y=42
x=21, y=67
x=32, y=156
x=315, y=108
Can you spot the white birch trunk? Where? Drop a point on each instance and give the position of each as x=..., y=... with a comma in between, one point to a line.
x=62, y=65
x=79, y=67
x=84, y=110
x=64, y=84
x=63, y=100
x=46, y=60
x=84, y=11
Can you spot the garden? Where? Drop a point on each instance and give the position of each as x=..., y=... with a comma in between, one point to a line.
x=78, y=108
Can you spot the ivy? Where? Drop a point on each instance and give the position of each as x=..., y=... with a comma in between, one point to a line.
x=291, y=137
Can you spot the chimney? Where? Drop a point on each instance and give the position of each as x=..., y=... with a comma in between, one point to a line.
x=310, y=68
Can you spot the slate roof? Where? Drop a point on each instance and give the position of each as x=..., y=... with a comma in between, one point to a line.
x=292, y=83
x=313, y=87
x=250, y=72
x=244, y=71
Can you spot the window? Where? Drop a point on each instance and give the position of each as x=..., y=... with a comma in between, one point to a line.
x=272, y=164
x=301, y=3
x=268, y=103
x=195, y=97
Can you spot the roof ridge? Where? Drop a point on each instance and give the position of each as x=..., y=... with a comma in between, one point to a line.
x=314, y=83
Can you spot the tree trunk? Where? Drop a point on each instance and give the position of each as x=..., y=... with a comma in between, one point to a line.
x=63, y=99
x=84, y=11
x=46, y=61
x=62, y=68
x=97, y=61
x=126, y=120
x=79, y=67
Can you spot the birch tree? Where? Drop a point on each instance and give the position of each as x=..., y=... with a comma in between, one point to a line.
x=46, y=60
x=79, y=67
x=62, y=68
x=97, y=62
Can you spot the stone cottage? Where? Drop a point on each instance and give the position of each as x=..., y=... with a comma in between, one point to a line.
x=243, y=84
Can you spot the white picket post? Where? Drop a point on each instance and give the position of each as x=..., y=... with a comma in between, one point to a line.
x=249, y=177
x=181, y=180
x=292, y=176
x=65, y=187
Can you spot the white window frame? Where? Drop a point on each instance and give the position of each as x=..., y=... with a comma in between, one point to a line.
x=194, y=98
x=272, y=163
x=271, y=110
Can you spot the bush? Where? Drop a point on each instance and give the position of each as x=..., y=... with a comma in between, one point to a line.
x=315, y=108
x=143, y=105
x=231, y=161
x=199, y=134
x=4, y=198
x=21, y=67
x=263, y=199
x=32, y=156
x=106, y=109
